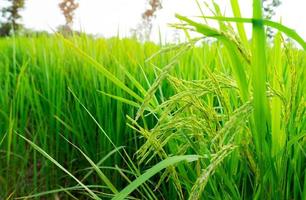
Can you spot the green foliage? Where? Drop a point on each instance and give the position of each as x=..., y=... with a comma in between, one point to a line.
x=12, y=16
x=236, y=124
x=40, y=80
x=234, y=107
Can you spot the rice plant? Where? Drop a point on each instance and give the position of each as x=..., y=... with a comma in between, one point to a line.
x=85, y=118
x=234, y=118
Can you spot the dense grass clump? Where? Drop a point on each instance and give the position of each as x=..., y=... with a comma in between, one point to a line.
x=39, y=78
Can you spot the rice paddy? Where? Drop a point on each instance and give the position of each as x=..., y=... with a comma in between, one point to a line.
x=87, y=118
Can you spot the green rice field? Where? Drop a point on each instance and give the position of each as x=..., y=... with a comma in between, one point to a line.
x=92, y=118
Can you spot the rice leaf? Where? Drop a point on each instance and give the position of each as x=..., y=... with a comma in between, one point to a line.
x=46, y=155
x=151, y=172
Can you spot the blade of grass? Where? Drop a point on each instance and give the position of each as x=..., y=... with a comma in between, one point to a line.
x=102, y=70
x=102, y=160
x=46, y=155
x=259, y=78
x=151, y=172
x=278, y=134
x=278, y=26
x=121, y=99
x=240, y=26
x=102, y=176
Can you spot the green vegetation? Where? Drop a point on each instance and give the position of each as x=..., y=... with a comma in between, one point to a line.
x=11, y=15
x=84, y=118
x=39, y=78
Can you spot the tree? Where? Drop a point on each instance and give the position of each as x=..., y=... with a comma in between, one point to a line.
x=68, y=7
x=12, y=15
x=144, y=29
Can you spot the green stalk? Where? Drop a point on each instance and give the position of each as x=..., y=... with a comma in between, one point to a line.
x=240, y=26
x=259, y=71
x=278, y=134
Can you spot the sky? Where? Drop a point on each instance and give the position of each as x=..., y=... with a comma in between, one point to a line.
x=112, y=17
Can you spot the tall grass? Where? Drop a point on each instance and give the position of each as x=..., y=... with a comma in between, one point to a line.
x=108, y=115
x=234, y=118
x=38, y=79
